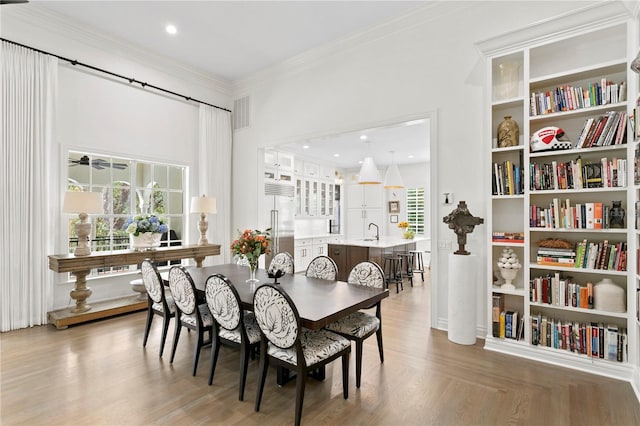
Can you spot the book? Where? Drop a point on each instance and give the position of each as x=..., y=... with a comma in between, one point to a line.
x=497, y=309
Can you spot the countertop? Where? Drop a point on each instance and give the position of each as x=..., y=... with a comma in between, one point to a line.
x=384, y=242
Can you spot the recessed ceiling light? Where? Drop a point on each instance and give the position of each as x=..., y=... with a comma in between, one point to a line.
x=410, y=156
x=305, y=146
x=360, y=162
x=363, y=137
x=336, y=155
x=171, y=29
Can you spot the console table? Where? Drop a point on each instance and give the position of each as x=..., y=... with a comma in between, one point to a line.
x=80, y=267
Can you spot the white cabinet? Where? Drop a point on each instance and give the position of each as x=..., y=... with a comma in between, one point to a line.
x=303, y=253
x=545, y=201
x=314, y=192
x=364, y=206
x=278, y=167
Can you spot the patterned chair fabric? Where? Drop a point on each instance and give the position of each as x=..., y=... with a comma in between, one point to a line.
x=241, y=260
x=250, y=325
x=367, y=274
x=285, y=343
x=182, y=290
x=282, y=261
x=222, y=302
x=151, y=280
x=360, y=325
x=322, y=267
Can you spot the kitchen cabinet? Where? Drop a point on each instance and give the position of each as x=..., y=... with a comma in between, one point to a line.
x=358, y=220
x=364, y=206
x=279, y=160
x=306, y=249
x=315, y=192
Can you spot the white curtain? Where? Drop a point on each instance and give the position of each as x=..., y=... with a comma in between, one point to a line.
x=29, y=187
x=214, y=176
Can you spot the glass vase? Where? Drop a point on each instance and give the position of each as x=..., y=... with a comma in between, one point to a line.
x=253, y=266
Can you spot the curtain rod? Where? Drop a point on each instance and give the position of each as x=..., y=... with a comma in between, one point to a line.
x=130, y=80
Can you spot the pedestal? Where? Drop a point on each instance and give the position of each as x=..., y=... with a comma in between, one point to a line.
x=462, y=298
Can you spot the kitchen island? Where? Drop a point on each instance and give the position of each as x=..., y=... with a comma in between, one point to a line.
x=349, y=252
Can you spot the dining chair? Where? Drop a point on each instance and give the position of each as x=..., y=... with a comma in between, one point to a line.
x=285, y=343
x=232, y=325
x=284, y=262
x=160, y=303
x=241, y=260
x=360, y=325
x=322, y=267
x=190, y=313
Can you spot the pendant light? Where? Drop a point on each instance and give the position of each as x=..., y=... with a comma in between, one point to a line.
x=369, y=174
x=392, y=178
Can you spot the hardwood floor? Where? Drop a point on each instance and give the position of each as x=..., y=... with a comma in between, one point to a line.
x=99, y=374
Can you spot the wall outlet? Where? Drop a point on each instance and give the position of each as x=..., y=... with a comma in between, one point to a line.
x=447, y=198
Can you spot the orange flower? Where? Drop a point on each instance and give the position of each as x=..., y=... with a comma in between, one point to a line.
x=251, y=244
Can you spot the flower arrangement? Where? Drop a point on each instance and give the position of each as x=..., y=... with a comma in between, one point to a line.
x=408, y=233
x=252, y=244
x=146, y=222
x=403, y=225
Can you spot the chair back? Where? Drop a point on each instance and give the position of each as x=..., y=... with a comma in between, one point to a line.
x=322, y=267
x=276, y=316
x=368, y=274
x=284, y=262
x=152, y=280
x=223, y=301
x=241, y=260
x=183, y=290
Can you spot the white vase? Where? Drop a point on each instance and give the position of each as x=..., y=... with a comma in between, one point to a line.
x=508, y=274
x=145, y=240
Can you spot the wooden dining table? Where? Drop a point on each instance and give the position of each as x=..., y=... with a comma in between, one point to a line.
x=319, y=302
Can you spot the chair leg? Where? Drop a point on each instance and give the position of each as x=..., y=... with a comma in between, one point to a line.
x=345, y=375
x=358, y=362
x=165, y=328
x=245, y=349
x=147, y=327
x=262, y=374
x=175, y=338
x=300, y=385
x=215, y=348
x=196, y=355
x=380, y=350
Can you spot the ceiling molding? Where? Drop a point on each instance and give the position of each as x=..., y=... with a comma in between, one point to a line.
x=309, y=59
x=83, y=34
x=564, y=25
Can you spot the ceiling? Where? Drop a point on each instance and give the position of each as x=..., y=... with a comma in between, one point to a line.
x=234, y=39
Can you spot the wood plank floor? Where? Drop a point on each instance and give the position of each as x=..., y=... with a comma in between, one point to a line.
x=99, y=374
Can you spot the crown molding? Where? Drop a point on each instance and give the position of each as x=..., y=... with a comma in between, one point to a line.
x=55, y=23
x=309, y=59
x=561, y=26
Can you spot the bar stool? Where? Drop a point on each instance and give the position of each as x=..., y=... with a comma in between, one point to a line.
x=406, y=265
x=417, y=262
x=392, y=268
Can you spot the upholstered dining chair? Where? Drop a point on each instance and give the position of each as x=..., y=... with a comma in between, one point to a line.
x=285, y=343
x=283, y=261
x=189, y=313
x=160, y=303
x=232, y=325
x=360, y=325
x=322, y=267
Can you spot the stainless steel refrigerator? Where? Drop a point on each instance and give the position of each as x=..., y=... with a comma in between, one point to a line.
x=280, y=204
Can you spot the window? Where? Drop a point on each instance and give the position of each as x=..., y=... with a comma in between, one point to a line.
x=128, y=187
x=415, y=209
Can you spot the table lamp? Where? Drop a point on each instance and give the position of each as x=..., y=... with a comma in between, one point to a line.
x=83, y=203
x=203, y=205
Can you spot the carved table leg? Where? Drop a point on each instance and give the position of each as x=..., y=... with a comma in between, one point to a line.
x=199, y=261
x=81, y=292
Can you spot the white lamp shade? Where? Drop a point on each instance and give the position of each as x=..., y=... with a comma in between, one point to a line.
x=203, y=205
x=369, y=174
x=392, y=178
x=82, y=202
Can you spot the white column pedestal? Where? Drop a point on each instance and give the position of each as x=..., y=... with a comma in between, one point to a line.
x=462, y=298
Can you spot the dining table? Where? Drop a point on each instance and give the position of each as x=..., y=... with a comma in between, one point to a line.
x=319, y=302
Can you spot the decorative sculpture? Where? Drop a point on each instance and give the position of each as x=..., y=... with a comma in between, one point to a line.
x=462, y=222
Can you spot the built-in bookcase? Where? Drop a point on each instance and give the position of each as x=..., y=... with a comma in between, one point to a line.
x=557, y=328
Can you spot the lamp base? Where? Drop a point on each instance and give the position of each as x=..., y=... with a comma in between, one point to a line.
x=203, y=225
x=83, y=229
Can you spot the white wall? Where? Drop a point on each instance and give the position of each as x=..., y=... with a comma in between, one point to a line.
x=99, y=114
x=427, y=62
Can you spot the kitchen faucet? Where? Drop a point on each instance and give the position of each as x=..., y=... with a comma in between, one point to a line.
x=377, y=230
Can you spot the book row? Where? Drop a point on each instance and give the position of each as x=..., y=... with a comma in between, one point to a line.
x=574, y=174
x=602, y=255
x=568, y=98
x=507, y=237
x=562, y=215
x=560, y=291
x=608, y=129
x=507, y=179
x=595, y=340
x=505, y=324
